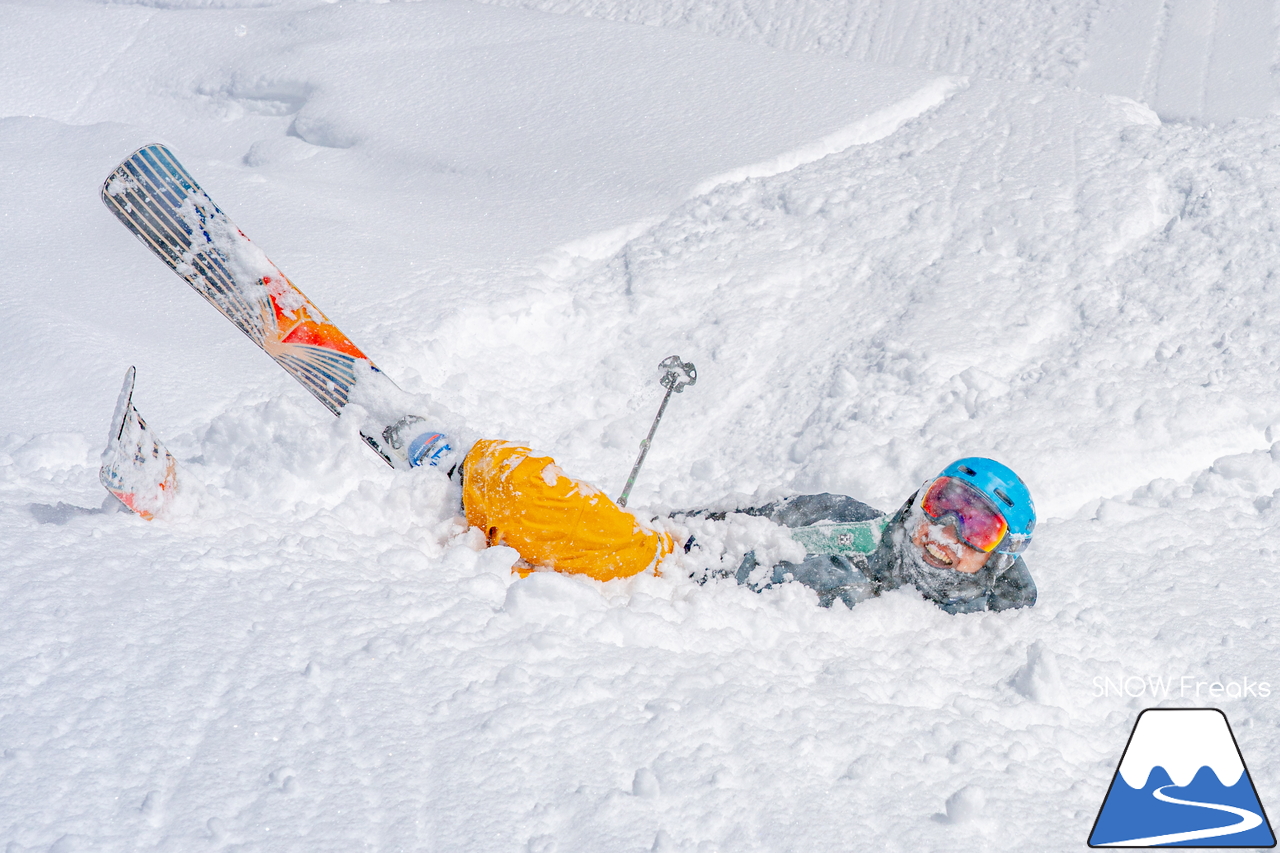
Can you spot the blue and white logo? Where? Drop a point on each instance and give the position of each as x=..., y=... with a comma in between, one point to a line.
x=1181, y=783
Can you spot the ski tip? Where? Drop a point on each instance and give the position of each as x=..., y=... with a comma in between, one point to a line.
x=119, y=182
x=157, y=147
x=136, y=468
x=122, y=403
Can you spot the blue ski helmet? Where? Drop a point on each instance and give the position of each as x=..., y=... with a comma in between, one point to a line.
x=1006, y=491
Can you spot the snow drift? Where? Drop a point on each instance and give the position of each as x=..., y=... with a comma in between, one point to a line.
x=875, y=268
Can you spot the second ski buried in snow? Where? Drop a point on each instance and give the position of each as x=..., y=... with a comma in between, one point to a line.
x=161, y=203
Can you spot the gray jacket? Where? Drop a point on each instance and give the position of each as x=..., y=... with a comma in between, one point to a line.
x=855, y=552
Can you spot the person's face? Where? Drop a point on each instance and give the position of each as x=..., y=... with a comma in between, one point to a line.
x=941, y=548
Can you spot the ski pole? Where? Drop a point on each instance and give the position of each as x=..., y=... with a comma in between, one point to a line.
x=678, y=374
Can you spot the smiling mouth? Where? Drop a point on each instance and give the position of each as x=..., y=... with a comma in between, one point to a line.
x=938, y=555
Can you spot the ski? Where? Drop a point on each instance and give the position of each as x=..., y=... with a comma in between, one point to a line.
x=157, y=199
x=136, y=467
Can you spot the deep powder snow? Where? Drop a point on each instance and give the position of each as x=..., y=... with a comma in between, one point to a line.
x=875, y=267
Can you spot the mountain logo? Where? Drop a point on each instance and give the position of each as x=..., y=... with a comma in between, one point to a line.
x=1181, y=782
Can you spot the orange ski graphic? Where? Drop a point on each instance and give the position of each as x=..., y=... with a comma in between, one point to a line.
x=158, y=200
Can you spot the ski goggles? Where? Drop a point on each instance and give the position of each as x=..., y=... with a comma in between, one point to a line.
x=979, y=524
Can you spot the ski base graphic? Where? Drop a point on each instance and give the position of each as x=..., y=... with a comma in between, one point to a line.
x=156, y=198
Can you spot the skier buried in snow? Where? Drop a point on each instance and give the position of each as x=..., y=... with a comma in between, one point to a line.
x=958, y=539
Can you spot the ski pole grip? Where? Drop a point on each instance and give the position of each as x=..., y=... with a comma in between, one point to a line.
x=678, y=373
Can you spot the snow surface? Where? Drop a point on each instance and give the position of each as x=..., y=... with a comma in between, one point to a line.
x=875, y=268
x=1188, y=59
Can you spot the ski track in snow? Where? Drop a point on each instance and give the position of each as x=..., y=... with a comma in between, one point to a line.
x=1208, y=60
x=311, y=652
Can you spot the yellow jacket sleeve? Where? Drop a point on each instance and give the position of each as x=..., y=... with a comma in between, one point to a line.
x=553, y=520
